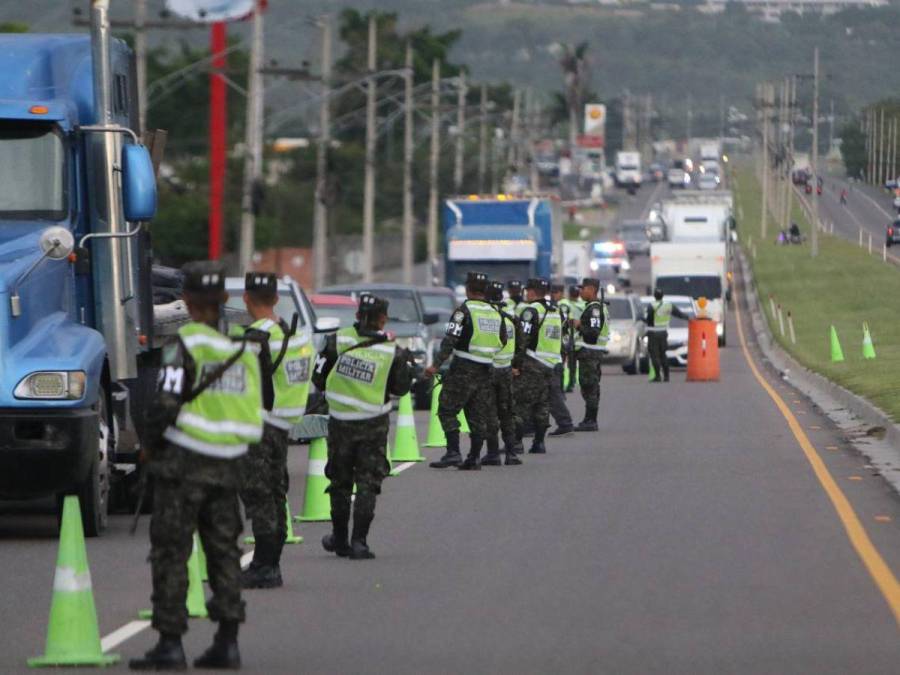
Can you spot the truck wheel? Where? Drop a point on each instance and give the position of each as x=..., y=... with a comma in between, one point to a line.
x=93, y=493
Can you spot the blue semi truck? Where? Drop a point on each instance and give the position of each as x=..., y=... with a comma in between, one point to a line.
x=504, y=236
x=77, y=355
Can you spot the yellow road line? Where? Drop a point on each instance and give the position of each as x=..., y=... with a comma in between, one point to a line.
x=873, y=562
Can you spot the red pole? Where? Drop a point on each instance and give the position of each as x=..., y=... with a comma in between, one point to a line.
x=217, y=139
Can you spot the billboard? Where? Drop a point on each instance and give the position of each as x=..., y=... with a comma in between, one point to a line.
x=595, y=119
x=210, y=11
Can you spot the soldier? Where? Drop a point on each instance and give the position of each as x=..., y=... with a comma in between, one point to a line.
x=591, y=339
x=537, y=355
x=514, y=302
x=359, y=370
x=576, y=307
x=475, y=333
x=207, y=409
x=286, y=366
x=558, y=408
x=501, y=416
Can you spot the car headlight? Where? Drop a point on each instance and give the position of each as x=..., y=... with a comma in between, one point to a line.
x=52, y=385
x=720, y=329
x=610, y=288
x=616, y=336
x=595, y=265
x=626, y=265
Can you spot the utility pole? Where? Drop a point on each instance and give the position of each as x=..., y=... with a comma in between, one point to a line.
x=482, y=140
x=814, y=239
x=788, y=180
x=534, y=177
x=881, y=149
x=460, y=132
x=831, y=128
x=765, y=160
x=320, y=209
x=513, y=149
x=870, y=174
x=252, y=145
x=433, y=167
x=690, y=118
x=408, y=167
x=893, y=175
x=369, y=185
x=140, y=61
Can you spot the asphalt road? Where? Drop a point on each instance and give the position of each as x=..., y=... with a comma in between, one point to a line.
x=702, y=530
x=867, y=209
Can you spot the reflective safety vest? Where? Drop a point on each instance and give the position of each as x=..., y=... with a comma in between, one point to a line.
x=662, y=315
x=292, y=378
x=549, y=345
x=227, y=415
x=504, y=358
x=510, y=305
x=603, y=338
x=485, y=341
x=356, y=387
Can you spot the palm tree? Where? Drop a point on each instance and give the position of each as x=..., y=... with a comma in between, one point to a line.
x=576, y=77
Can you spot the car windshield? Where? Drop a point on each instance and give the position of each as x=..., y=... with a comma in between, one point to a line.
x=633, y=234
x=694, y=287
x=620, y=308
x=32, y=171
x=237, y=310
x=402, y=305
x=441, y=303
x=346, y=314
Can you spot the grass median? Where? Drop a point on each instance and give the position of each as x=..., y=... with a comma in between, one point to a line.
x=843, y=286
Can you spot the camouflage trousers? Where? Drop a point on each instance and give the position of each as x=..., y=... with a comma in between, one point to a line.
x=589, y=374
x=202, y=498
x=264, y=485
x=357, y=455
x=467, y=387
x=501, y=416
x=531, y=391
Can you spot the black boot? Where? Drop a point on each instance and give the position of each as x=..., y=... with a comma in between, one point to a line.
x=168, y=654
x=336, y=542
x=472, y=462
x=537, y=445
x=262, y=572
x=363, y=513
x=563, y=431
x=452, y=456
x=223, y=654
x=492, y=458
x=511, y=450
x=589, y=423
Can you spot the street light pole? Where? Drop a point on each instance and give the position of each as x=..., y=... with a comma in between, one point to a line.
x=408, y=167
x=369, y=185
x=320, y=209
x=434, y=165
x=253, y=144
x=460, y=133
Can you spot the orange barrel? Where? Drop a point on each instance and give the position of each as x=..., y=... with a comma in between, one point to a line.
x=703, y=351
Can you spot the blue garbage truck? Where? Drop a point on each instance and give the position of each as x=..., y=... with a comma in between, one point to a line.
x=504, y=236
x=77, y=190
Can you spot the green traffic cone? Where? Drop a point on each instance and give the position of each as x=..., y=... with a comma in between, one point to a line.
x=406, y=443
x=868, y=348
x=290, y=537
x=463, y=422
x=651, y=374
x=837, y=354
x=196, y=600
x=566, y=377
x=201, y=556
x=436, y=437
x=73, y=638
x=316, y=503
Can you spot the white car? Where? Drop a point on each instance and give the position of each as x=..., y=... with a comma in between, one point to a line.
x=708, y=181
x=626, y=346
x=677, y=346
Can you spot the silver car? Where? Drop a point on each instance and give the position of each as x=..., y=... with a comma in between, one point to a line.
x=626, y=333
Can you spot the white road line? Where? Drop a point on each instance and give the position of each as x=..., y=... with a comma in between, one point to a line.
x=400, y=468
x=126, y=632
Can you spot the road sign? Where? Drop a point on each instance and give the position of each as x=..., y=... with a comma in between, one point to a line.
x=595, y=119
x=210, y=11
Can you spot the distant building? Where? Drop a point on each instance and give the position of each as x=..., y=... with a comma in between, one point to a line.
x=771, y=10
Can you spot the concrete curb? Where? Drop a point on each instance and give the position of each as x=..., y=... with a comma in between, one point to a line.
x=870, y=430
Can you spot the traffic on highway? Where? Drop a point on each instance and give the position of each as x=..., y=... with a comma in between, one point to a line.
x=450, y=366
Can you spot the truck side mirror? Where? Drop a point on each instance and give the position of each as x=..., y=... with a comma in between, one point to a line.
x=138, y=184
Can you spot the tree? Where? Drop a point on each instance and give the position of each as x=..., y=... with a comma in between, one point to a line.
x=853, y=148
x=576, y=77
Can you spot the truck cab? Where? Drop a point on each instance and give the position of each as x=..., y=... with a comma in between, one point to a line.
x=76, y=307
x=628, y=169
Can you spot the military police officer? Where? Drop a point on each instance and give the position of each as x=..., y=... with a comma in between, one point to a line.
x=539, y=353
x=559, y=411
x=514, y=302
x=207, y=410
x=286, y=366
x=592, y=336
x=576, y=306
x=360, y=369
x=659, y=314
x=475, y=333
x=501, y=417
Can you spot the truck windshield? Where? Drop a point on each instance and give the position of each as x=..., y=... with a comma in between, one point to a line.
x=32, y=171
x=499, y=270
x=695, y=287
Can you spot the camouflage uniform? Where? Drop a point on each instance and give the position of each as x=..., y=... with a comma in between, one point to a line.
x=191, y=492
x=264, y=487
x=531, y=391
x=501, y=416
x=592, y=321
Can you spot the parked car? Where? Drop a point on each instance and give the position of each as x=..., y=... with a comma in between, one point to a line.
x=626, y=333
x=893, y=233
x=408, y=320
x=340, y=307
x=634, y=234
x=677, y=344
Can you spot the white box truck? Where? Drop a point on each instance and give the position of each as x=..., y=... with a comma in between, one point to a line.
x=696, y=269
x=628, y=169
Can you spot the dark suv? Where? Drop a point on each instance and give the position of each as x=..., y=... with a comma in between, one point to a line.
x=892, y=236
